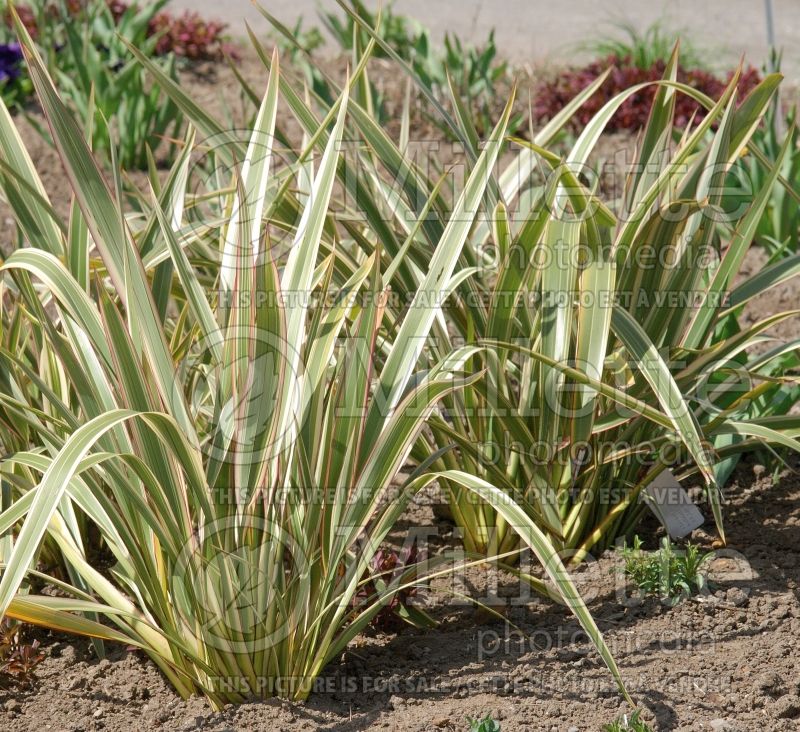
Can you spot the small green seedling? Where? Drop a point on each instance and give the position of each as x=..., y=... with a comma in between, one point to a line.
x=487, y=724
x=627, y=723
x=666, y=573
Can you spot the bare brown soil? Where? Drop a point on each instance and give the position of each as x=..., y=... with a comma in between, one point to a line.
x=724, y=661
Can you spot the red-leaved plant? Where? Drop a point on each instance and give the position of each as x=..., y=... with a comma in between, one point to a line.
x=554, y=95
x=187, y=35
x=388, y=567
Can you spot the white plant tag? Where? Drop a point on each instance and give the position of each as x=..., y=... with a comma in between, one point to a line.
x=672, y=505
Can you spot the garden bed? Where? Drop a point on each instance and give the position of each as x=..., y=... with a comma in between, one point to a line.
x=723, y=662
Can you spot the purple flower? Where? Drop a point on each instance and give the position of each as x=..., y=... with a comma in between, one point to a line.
x=10, y=61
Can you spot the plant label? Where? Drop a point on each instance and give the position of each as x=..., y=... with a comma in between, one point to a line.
x=672, y=506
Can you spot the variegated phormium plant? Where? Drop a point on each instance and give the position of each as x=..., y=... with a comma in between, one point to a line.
x=230, y=417
x=612, y=349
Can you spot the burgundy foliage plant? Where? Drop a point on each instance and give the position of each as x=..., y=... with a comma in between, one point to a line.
x=632, y=115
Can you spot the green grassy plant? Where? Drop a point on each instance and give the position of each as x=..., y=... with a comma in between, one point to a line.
x=668, y=573
x=628, y=723
x=645, y=48
x=402, y=33
x=778, y=231
x=484, y=724
x=474, y=72
x=96, y=77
